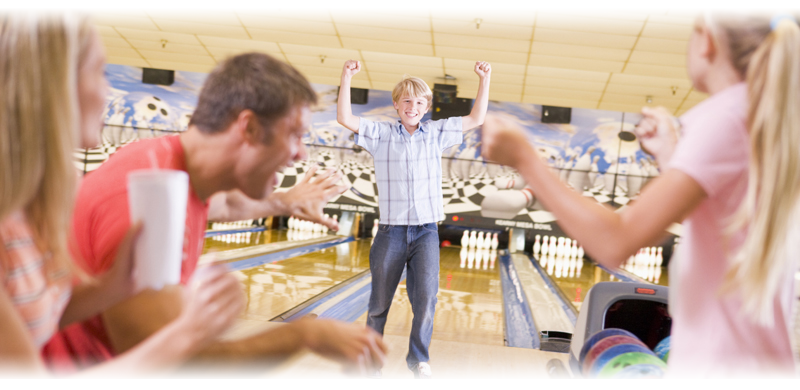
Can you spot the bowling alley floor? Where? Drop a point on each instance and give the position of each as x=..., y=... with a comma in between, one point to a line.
x=467, y=339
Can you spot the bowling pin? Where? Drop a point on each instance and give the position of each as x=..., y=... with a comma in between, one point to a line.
x=646, y=258
x=574, y=248
x=495, y=242
x=487, y=241
x=553, y=246
x=479, y=241
x=492, y=258
x=545, y=246
x=536, y=245
x=580, y=251
x=472, y=239
x=567, y=247
x=659, y=257
x=560, y=247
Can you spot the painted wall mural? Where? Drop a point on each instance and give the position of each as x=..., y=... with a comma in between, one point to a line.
x=589, y=154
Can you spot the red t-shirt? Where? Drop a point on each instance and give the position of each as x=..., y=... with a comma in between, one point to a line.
x=100, y=222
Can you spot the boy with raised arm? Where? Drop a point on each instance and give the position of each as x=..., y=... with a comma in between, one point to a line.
x=408, y=170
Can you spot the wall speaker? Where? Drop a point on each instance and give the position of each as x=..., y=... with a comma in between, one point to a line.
x=158, y=76
x=459, y=107
x=552, y=114
x=359, y=95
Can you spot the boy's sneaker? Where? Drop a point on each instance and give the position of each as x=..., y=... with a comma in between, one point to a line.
x=422, y=370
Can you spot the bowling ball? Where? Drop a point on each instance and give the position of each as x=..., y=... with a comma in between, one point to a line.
x=610, y=354
x=662, y=349
x=599, y=336
x=605, y=344
x=621, y=361
x=445, y=243
x=641, y=371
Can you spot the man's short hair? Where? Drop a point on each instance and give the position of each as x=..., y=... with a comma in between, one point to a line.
x=252, y=81
x=412, y=87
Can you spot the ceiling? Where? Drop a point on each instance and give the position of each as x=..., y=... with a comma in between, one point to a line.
x=608, y=61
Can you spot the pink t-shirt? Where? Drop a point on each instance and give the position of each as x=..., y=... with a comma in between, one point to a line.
x=710, y=337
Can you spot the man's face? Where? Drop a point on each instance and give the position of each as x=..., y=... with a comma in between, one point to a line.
x=260, y=163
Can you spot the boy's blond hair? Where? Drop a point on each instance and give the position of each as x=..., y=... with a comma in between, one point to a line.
x=412, y=87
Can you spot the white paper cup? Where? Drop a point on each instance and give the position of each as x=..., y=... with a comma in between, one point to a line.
x=157, y=198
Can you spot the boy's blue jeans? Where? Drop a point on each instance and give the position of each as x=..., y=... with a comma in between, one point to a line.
x=393, y=248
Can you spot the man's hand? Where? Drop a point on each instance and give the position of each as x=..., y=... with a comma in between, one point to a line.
x=307, y=199
x=658, y=133
x=351, y=67
x=483, y=69
x=356, y=346
x=504, y=142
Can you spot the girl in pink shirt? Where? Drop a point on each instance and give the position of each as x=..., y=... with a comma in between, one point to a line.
x=733, y=179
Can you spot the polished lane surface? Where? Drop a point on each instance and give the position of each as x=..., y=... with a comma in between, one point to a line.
x=274, y=288
x=470, y=302
x=226, y=242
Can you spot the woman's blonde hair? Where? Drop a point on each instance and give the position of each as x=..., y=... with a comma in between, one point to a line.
x=39, y=117
x=769, y=59
x=412, y=87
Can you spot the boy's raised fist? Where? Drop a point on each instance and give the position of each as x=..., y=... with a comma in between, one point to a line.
x=483, y=68
x=351, y=67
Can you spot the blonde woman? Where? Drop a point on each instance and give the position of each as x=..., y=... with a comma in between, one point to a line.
x=732, y=279
x=53, y=94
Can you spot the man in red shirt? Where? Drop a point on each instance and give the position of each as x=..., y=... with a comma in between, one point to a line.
x=251, y=115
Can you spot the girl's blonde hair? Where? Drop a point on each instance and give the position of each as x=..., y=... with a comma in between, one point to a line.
x=39, y=117
x=412, y=87
x=769, y=59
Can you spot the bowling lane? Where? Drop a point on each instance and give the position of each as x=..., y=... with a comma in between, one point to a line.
x=227, y=242
x=470, y=302
x=575, y=277
x=273, y=288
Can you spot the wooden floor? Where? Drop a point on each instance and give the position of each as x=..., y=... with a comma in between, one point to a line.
x=469, y=307
x=449, y=360
x=468, y=330
x=274, y=288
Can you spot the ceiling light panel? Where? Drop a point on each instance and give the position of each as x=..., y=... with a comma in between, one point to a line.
x=295, y=38
x=498, y=16
x=584, y=38
x=382, y=20
x=298, y=14
x=489, y=30
x=217, y=17
x=137, y=20
x=393, y=47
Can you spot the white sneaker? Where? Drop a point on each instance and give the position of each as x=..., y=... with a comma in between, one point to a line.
x=422, y=371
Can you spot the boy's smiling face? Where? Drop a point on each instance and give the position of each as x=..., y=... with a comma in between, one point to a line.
x=411, y=110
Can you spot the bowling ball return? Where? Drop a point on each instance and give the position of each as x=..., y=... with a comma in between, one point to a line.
x=639, y=308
